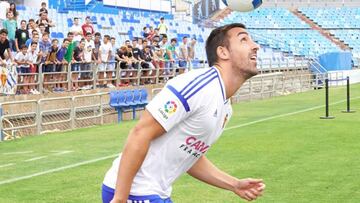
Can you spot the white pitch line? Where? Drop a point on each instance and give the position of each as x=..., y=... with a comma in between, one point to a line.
x=59, y=153
x=35, y=158
x=6, y=165
x=13, y=153
x=57, y=169
x=284, y=115
x=113, y=156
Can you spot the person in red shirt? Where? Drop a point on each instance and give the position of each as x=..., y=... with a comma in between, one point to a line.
x=87, y=27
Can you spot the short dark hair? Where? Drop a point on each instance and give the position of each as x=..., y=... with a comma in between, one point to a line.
x=185, y=37
x=43, y=3
x=66, y=40
x=97, y=34
x=107, y=36
x=31, y=20
x=111, y=38
x=162, y=18
x=88, y=33
x=32, y=43
x=41, y=24
x=54, y=40
x=34, y=31
x=173, y=40
x=23, y=46
x=22, y=21
x=76, y=18
x=45, y=33
x=70, y=33
x=2, y=31
x=218, y=37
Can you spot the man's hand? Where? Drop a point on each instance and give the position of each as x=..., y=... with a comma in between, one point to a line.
x=249, y=188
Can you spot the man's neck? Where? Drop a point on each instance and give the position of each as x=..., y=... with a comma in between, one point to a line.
x=232, y=80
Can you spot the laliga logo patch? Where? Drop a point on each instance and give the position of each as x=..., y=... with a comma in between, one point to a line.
x=170, y=107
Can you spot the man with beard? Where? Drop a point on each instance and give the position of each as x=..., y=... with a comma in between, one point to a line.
x=181, y=123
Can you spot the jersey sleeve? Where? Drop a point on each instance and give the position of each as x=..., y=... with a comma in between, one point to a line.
x=169, y=108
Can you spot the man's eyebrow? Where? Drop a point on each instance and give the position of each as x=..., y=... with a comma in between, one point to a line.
x=242, y=33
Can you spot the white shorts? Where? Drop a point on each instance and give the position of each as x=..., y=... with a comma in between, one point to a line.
x=102, y=66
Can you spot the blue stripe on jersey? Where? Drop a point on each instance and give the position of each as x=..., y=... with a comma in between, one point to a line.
x=200, y=81
x=222, y=90
x=197, y=77
x=198, y=89
x=181, y=98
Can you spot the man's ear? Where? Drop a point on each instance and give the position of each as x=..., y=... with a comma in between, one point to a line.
x=223, y=53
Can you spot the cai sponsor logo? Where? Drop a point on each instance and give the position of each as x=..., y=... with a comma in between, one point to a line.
x=168, y=109
x=194, y=146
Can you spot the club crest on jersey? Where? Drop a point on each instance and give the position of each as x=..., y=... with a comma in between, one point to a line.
x=168, y=109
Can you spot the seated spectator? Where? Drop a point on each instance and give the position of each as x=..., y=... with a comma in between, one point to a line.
x=21, y=36
x=4, y=46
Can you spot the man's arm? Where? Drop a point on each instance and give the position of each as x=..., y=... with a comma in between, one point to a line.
x=207, y=172
x=136, y=148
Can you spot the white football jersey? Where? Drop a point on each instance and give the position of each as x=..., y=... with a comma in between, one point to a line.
x=193, y=110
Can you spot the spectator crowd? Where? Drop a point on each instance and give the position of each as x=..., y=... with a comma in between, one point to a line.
x=26, y=43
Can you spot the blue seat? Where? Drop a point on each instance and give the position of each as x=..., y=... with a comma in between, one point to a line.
x=114, y=99
x=143, y=98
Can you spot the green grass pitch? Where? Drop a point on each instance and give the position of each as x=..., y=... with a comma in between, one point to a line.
x=282, y=140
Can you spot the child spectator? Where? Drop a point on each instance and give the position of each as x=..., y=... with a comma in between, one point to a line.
x=23, y=67
x=78, y=59
x=61, y=66
x=34, y=61
x=50, y=63
x=44, y=47
x=21, y=35
x=43, y=8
